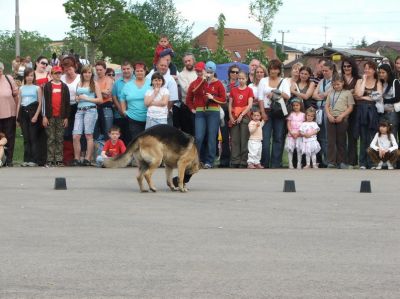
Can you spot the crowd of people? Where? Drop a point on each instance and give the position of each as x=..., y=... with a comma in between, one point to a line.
x=74, y=114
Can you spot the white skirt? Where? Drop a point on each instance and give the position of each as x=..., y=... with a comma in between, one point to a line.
x=292, y=144
x=311, y=147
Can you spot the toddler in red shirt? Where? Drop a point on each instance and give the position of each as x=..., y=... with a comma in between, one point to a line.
x=113, y=146
x=163, y=44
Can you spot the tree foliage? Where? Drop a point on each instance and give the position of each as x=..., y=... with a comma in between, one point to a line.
x=32, y=44
x=363, y=43
x=256, y=54
x=95, y=19
x=130, y=41
x=221, y=55
x=162, y=17
x=263, y=11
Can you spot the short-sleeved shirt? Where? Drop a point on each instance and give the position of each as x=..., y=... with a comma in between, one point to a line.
x=264, y=89
x=56, y=99
x=117, y=90
x=339, y=101
x=29, y=94
x=134, y=98
x=72, y=87
x=240, y=97
x=113, y=150
x=156, y=111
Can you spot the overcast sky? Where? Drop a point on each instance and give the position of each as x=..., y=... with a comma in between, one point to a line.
x=347, y=21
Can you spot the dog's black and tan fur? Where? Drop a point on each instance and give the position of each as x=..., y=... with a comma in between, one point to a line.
x=161, y=143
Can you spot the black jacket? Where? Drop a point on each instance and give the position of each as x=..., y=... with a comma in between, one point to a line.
x=47, y=100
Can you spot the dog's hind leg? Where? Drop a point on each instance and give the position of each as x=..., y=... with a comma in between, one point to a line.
x=142, y=169
x=168, y=175
x=150, y=170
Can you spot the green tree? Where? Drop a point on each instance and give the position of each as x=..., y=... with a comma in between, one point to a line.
x=32, y=44
x=362, y=44
x=130, y=41
x=263, y=11
x=95, y=19
x=256, y=54
x=162, y=17
x=221, y=55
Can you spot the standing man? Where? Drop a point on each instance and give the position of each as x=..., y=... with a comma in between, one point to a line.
x=8, y=111
x=119, y=118
x=183, y=118
x=254, y=63
x=170, y=84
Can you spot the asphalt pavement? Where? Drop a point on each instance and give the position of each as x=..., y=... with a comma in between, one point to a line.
x=235, y=234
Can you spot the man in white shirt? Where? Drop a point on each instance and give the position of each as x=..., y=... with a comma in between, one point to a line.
x=183, y=118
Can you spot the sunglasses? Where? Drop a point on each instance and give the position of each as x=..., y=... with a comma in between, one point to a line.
x=44, y=63
x=111, y=75
x=347, y=66
x=234, y=72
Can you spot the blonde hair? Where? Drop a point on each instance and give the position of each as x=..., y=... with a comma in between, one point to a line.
x=86, y=69
x=311, y=111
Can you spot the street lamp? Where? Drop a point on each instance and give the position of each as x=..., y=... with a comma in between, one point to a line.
x=17, y=43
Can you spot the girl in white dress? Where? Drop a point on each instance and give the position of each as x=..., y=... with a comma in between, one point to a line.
x=309, y=130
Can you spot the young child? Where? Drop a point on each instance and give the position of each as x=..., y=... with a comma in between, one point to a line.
x=255, y=140
x=339, y=105
x=240, y=103
x=309, y=130
x=384, y=147
x=3, y=142
x=294, y=140
x=56, y=110
x=163, y=43
x=156, y=99
x=28, y=113
x=113, y=146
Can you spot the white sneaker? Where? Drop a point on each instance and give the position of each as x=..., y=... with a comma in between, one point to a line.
x=389, y=165
x=379, y=165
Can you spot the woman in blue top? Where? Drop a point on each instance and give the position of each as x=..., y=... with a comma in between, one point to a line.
x=88, y=94
x=132, y=100
x=28, y=112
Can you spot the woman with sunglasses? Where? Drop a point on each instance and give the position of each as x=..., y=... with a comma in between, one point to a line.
x=110, y=73
x=42, y=76
x=231, y=82
x=350, y=75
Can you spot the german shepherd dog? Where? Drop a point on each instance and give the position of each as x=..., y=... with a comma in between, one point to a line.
x=161, y=143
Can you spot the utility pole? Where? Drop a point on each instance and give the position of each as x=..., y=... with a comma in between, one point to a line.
x=283, y=46
x=17, y=38
x=326, y=29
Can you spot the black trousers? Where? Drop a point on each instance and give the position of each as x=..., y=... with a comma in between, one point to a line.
x=8, y=127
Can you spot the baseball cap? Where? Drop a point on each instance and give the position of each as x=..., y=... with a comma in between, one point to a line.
x=200, y=66
x=211, y=66
x=56, y=69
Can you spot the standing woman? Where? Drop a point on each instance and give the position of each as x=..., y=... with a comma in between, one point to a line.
x=367, y=115
x=232, y=82
x=391, y=95
x=274, y=125
x=295, y=77
x=305, y=87
x=207, y=115
x=350, y=76
x=42, y=77
x=88, y=95
x=259, y=73
x=104, y=110
x=28, y=111
x=132, y=100
x=71, y=79
x=8, y=111
x=324, y=87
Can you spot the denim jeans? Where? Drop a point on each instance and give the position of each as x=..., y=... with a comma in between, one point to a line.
x=366, y=136
x=322, y=138
x=85, y=121
x=151, y=121
x=104, y=123
x=207, y=123
x=274, y=127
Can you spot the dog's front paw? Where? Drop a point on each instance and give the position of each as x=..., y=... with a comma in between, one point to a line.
x=184, y=189
x=153, y=189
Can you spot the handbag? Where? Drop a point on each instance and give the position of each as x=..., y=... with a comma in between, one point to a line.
x=278, y=106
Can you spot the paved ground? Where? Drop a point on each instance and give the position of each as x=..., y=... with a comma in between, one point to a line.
x=234, y=235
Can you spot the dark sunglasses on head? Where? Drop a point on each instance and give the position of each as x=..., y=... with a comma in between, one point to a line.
x=44, y=63
x=234, y=72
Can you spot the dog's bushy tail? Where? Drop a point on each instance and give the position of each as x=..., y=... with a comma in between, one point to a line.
x=122, y=160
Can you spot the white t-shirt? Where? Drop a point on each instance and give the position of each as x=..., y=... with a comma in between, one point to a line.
x=264, y=89
x=72, y=87
x=156, y=111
